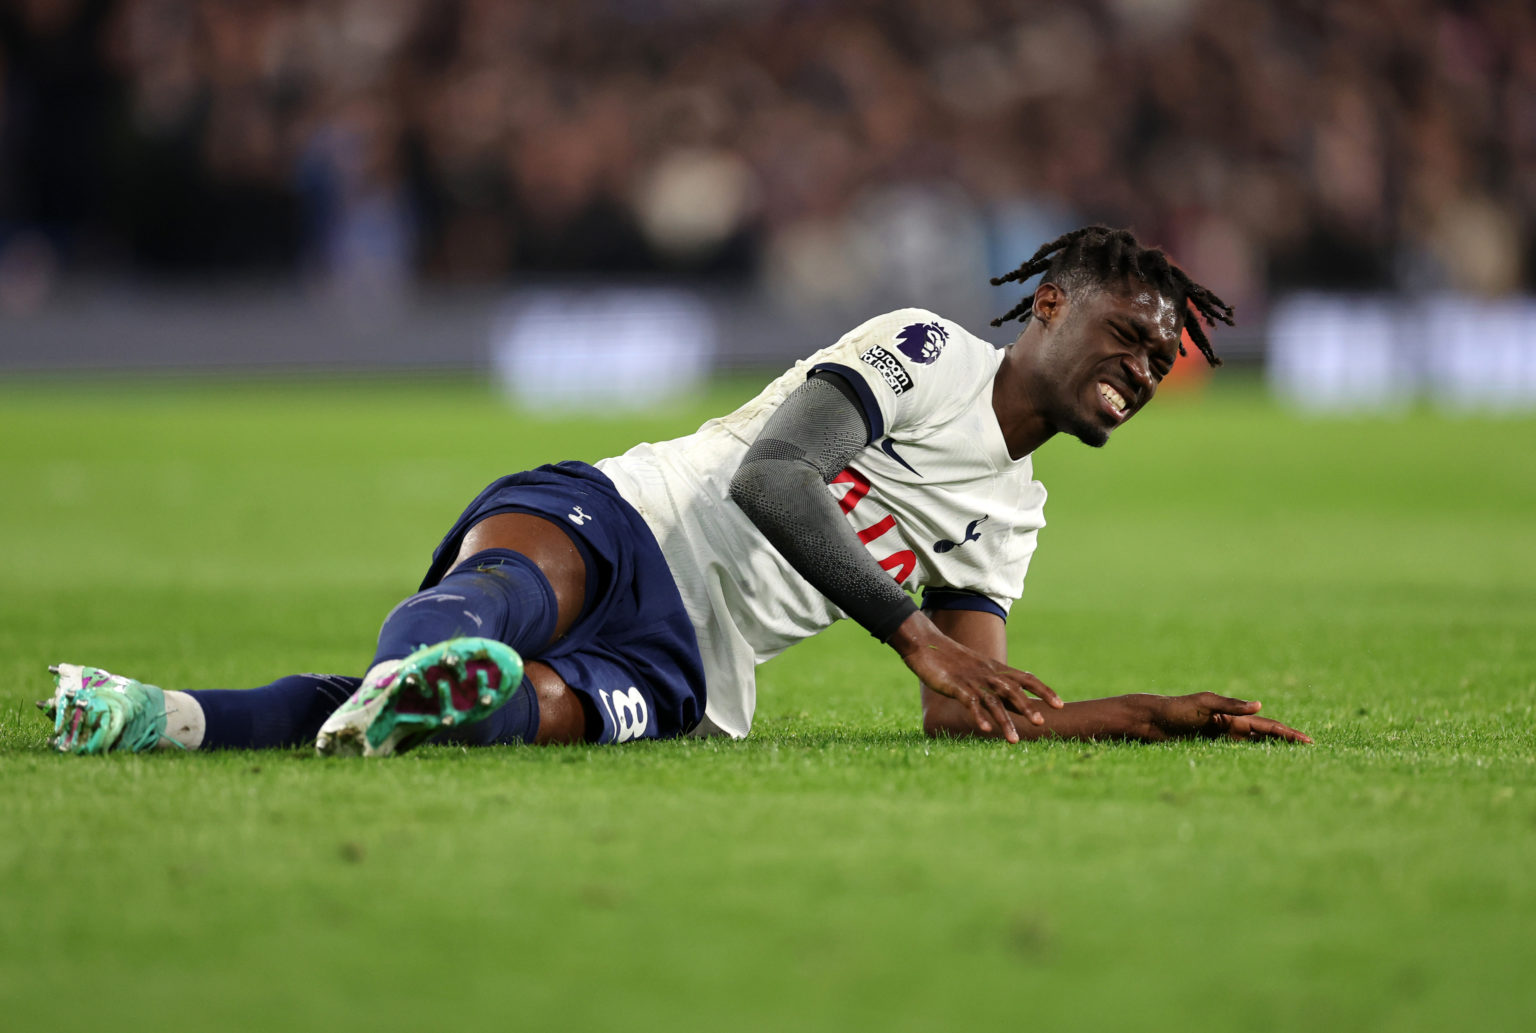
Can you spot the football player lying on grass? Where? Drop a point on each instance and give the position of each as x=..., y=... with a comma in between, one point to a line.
x=632, y=599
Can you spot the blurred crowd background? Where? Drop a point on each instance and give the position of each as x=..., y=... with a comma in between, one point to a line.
x=818, y=151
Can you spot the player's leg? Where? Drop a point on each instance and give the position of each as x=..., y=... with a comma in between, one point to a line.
x=503, y=572
x=124, y=714
x=518, y=578
x=560, y=538
x=288, y=712
x=95, y=711
x=452, y=655
x=517, y=581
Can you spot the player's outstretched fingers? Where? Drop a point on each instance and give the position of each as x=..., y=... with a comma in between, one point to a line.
x=1041, y=689
x=972, y=703
x=1227, y=704
x=1264, y=728
x=1020, y=703
x=1000, y=716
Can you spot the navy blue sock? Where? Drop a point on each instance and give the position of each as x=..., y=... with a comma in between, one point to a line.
x=516, y=721
x=497, y=594
x=288, y=712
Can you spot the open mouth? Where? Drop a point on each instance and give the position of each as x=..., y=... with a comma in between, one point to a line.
x=1114, y=402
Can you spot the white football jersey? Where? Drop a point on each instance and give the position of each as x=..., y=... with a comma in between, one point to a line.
x=935, y=498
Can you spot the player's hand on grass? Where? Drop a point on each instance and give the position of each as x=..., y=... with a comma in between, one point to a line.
x=1207, y=715
x=992, y=691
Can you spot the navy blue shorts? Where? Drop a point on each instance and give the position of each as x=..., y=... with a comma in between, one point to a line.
x=633, y=652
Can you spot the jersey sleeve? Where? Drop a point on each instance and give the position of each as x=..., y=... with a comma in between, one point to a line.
x=909, y=368
x=962, y=599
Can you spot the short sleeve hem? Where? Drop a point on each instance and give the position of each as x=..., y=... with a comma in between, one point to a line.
x=867, y=400
x=954, y=599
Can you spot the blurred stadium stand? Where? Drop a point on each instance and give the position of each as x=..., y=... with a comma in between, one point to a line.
x=233, y=183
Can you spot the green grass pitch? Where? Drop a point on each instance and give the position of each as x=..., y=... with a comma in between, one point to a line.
x=1373, y=581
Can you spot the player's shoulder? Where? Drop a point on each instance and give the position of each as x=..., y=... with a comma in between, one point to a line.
x=918, y=335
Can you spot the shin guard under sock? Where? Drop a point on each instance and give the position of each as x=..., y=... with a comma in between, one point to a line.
x=496, y=593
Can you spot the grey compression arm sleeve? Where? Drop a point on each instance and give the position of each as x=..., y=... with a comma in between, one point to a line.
x=781, y=486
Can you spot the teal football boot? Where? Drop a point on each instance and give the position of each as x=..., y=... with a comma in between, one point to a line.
x=95, y=711
x=457, y=682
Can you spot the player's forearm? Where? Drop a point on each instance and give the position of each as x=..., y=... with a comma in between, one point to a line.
x=1115, y=717
x=789, y=503
x=782, y=488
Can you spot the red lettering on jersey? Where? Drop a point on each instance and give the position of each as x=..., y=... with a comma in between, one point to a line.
x=903, y=559
x=875, y=530
x=860, y=488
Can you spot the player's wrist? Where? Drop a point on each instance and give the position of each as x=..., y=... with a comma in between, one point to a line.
x=915, y=632
x=889, y=624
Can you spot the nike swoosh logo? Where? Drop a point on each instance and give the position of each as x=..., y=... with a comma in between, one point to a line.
x=889, y=448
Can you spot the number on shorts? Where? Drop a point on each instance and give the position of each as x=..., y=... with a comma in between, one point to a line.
x=628, y=712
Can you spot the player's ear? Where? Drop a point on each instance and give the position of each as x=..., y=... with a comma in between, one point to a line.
x=1050, y=303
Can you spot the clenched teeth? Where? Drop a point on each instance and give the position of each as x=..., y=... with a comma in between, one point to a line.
x=1113, y=397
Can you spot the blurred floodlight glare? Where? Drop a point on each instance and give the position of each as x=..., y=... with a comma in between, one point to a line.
x=1357, y=354
x=1335, y=353
x=1481, y=355
x=602, y=349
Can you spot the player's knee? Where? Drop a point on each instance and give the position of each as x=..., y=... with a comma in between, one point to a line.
x=562, y=716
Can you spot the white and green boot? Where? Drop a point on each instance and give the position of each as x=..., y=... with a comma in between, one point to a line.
x=404, y=703
x=95, y=711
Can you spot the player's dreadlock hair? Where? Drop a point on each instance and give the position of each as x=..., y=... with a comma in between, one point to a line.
x=1098, y=254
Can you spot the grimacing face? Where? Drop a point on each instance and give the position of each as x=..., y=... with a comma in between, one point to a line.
x=1105, y=356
